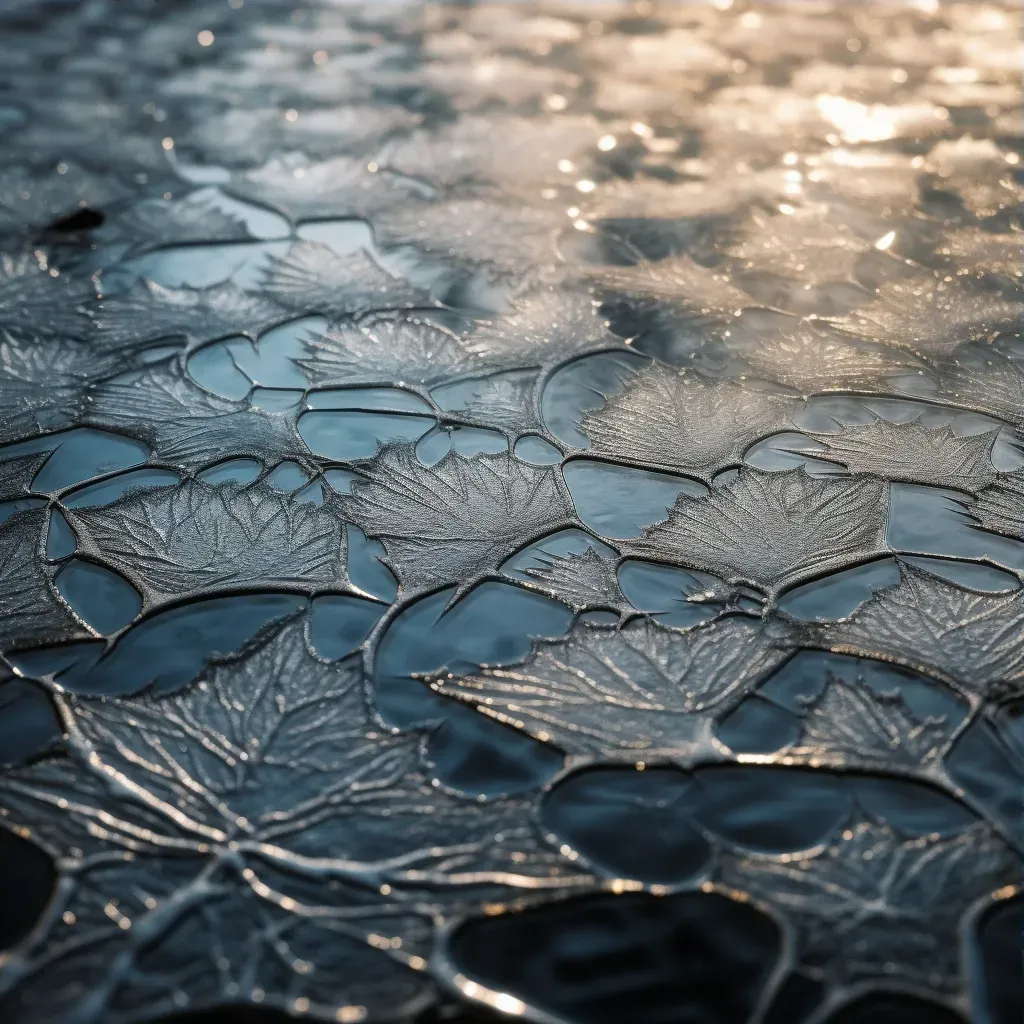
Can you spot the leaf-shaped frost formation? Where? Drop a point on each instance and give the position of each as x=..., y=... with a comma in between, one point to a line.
x=678, y=419
x=312, y=278
x=509, y=239
x=31, y=198
x=506, y=401
x=771, y=529
x=968, y=638
x=17, y=473
x=804, y=246
x=932, y=316
x=457, y=521
x=1000, y=507
x=984, y=380
x=642, y=689
x=256, y=837
x=388, y=350
x=677, y=287
x=872, y=906
x=38, y=300
x=158, y=223
x=30, y=611
x=148, y=311
x=199, y=538
x=582, y=580
x=812, y=360
x=517, y=153
x=546, y=326
x=854, y=725
x=41, y=383
x=184, y=423
x=912, y=452
x=339, y=188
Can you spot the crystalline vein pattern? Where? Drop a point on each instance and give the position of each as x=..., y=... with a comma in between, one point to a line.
x=553, y=461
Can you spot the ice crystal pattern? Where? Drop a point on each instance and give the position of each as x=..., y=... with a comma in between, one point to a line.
x=596, y=301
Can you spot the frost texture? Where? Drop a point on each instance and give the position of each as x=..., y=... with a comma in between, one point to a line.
x=802, y=246
x=585, y=580
x=912, y=452
x=198, y=538
x=969, y=638
x=771, y=530
x=983, y=380
x=36, y=299
x=40, y=384
x=17, y=473
x=312, y=278
x=680, y=420
x=30, y=611
x=676, y=288
x=187, y=424
x=161, y=223
x=149, y=312
x=871, y=905
x=781, y=219
x=456, y=522
x=516, y=153
x=506, y=401
x=543, y=327
x=257, y=809
x=505, y=239
x=851, y=724
x=1000, y=507
x=810, y=360
x=342, y=187
x=932, y=316
x=386, y=349
x=635, y=692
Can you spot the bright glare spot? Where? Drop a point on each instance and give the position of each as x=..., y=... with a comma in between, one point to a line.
x=556, y=102
x=585, y=185
x=350, y=1014
x=787, y=209
x=168, y=144
x=885, y=241
x=645, y=131
x=205, y=37
x=606, y=142
x=565, y=166
x=509, y=1004
x=291, y=115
